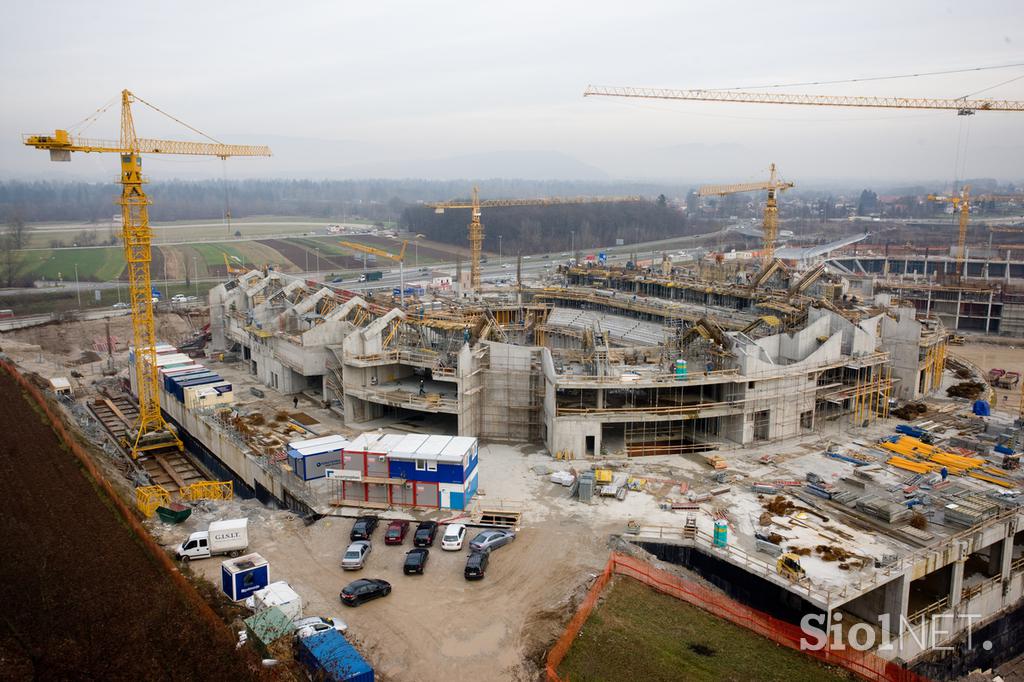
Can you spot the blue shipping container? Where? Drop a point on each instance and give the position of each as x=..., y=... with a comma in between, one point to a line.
x=329, y=654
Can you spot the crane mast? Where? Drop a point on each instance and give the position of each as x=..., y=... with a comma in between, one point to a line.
x=770, y=225
x=476, y=228
x=962, y=204
x=151, y=432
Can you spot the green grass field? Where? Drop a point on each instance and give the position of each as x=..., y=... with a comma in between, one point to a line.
x=94, y=264
x=639, y=634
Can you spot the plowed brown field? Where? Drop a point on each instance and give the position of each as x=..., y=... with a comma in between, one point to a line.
x=82, y=597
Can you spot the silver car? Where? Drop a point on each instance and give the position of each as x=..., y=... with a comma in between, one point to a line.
x=491, y=539
x=355, y=556
x=304, y=627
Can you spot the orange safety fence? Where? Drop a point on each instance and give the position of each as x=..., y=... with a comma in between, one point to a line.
x=146, y=540
x=863, y=663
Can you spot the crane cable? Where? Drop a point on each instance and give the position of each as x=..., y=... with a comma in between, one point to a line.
x=874, y=78
x=176, y=120
x=84, y=124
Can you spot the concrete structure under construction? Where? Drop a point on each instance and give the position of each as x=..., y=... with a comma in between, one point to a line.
x=652, y=365
x=759, y=400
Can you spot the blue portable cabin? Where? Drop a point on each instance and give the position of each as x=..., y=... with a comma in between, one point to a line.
x=417, y=458
x=177, y=383
x=241, y=577
x=329, y=656
x=310, y=459
x=440, y=471
x=178, y=386
x=180, y=373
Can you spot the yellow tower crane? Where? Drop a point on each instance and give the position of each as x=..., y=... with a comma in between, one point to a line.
x=962, y=202
x=476, y=228
x=771, y=208
x=400, y=259
x=151, y=432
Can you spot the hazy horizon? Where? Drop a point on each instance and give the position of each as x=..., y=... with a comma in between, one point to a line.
x=452, y=90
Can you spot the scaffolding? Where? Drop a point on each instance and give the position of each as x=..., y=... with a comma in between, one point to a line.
x=871, y=394
x=149, y=497
x=207, y=490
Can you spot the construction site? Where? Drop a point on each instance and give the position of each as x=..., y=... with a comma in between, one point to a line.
x=811, y=431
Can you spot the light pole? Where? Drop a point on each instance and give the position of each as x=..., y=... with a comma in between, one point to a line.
x=318, y=259
x=499, y=250
x=572, y=251
x=78, y=288
x=307, y=261
x=195, y=275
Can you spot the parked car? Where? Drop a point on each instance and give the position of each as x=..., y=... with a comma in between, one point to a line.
x=120, y=304
x=425, y=533
x=355, y=556
x=476, y=565
x=491, y=539
x=365, y=589
x=454, y=536
x=179, y=298
x=304, y=627
x=363, y=528
x=396, y=532
x=416, y=560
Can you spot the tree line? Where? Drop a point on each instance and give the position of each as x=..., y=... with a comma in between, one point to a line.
x=44, y=201
x=530, y=229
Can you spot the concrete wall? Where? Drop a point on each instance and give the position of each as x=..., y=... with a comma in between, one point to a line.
x=901, y=338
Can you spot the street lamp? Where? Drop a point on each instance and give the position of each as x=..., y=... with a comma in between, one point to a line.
x=318, y=259
x=499, y=250
x=572, y=251
x=195, y=275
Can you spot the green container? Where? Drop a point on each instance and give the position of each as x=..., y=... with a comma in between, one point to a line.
x=175, y=513
x=721, y=533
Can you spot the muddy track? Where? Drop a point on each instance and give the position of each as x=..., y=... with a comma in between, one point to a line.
x=84, y=598
x=299, y=256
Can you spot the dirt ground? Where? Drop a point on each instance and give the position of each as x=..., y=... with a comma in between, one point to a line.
x=83, y=599
x=438, y=626
x=986, y=356
x=68, y=345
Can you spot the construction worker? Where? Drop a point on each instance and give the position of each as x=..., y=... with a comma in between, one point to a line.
x=422, y=391
x=295, y=402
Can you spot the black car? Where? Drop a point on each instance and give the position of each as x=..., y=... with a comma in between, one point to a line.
x=476, y=565
x=365, y=589
x=416, y=560
x=425, y=534
x=362, y=529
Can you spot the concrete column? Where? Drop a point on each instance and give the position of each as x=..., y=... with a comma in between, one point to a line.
x=956, y=583
x=1005, y=557
x=988, y=314
x=600, y=398
x=897, y=603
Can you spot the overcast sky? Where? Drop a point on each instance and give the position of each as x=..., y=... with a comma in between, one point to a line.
x=452, y=89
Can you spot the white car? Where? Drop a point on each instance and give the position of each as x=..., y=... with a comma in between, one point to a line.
x=120, y=304
x=179, y=298
x=454, y=536
x=304, y=627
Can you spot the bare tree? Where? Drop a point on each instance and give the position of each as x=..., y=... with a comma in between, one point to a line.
x=8, y=262
x=17, y=229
